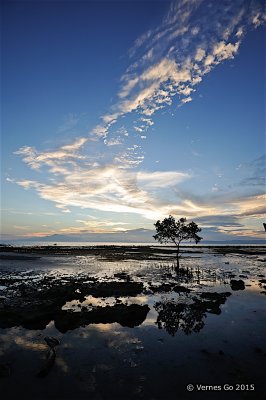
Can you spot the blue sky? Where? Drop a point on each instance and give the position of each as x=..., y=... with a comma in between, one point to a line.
x=119, y=113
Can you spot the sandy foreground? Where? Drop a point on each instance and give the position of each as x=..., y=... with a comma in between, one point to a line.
x=119, y=322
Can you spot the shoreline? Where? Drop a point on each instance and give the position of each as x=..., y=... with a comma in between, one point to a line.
x=125, y=252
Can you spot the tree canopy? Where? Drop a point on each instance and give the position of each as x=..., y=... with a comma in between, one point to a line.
x=170, y=230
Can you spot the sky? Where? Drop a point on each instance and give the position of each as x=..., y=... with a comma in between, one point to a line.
x=120, y=113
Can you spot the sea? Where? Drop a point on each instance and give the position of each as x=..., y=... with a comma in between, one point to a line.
x=29, y=243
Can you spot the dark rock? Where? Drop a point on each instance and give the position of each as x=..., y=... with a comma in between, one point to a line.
x=51, y=341
x=129, y=316
x=221, y=297
x=180, y=289
x=164, y=287
x=113, y=289
x=122, y=275
x=237, y=284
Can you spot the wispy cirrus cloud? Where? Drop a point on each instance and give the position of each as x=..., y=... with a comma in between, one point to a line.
x=171, y=60
x=65, y=154
x=158, y=179
x=109, y=189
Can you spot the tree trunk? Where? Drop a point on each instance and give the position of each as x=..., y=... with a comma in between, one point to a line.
x=177, y=259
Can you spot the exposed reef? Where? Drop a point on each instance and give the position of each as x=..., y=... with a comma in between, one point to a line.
x=35, y=305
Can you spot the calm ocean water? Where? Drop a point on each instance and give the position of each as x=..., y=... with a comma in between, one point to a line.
x=72, y=244
x=86, y=244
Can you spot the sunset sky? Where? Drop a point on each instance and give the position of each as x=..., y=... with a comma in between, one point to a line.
x=119, y=113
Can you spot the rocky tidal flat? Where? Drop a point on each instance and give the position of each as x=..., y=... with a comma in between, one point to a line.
x=123, y=323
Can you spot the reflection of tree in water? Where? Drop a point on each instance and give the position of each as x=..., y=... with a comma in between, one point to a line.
x=188, y=317
x=173, y=316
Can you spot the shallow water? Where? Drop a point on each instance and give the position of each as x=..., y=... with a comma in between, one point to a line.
x=179, y=342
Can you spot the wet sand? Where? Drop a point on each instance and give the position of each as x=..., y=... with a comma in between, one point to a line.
x=129, y=326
